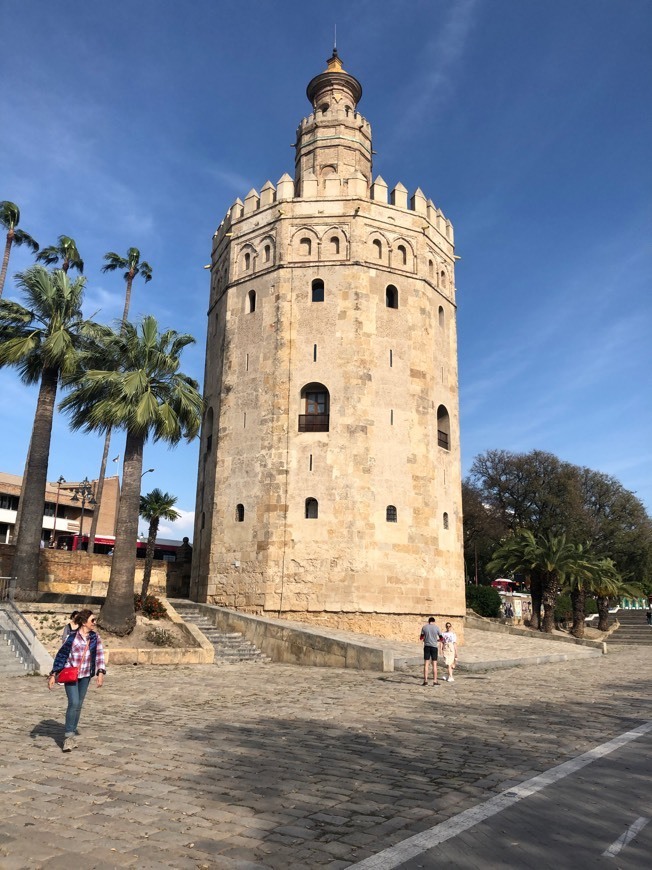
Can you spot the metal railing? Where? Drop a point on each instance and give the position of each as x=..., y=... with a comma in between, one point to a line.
x=16, y=630
x=314, y=422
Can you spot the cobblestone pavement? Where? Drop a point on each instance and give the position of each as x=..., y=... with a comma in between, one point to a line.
x=278, y=766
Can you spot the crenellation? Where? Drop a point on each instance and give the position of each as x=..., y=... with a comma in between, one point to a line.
x=284, y=187
x=267, y=194
x=252, y=202
x=418, y=202
x=398, y=196
x=379, y=190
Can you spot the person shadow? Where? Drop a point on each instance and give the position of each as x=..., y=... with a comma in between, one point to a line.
x=49, y=728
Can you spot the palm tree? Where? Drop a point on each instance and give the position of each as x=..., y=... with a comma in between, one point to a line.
x=42, y=341
x=610, y=585
x=154, y=506
x=550, y=556
x=143, y=393
x=581, y=578
x=10, y=218
x=519, y=554
x=65, y=251
x=133, y=267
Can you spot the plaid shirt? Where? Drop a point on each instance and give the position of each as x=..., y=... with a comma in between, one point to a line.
x=81, y=657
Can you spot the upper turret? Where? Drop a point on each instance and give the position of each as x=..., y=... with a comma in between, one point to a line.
x=334, y=142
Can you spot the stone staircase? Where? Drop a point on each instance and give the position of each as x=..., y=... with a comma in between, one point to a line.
x=633, y=628
x=230, y=647
x=11, y=661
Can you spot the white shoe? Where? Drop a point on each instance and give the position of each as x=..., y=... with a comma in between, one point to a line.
x=451, y=679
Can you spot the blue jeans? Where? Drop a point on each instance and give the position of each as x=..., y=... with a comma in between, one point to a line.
x=76, y=693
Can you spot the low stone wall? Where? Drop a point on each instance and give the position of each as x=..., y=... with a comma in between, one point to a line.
x=484, y=624
x=293, y=644
x=79, y=573
x=393, y=626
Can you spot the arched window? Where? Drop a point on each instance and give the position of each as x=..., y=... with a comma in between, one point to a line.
x=239, y=513
x=378, y=248
x=441, y=317
x=251, y=301
x=402, y=255
x=390, y=514
x=247, y=261
x=391, y=296
x=312, y=509
x=317, y=290
x=335, y=245
x=267, y=252
x=442, y=278
x=445, y=520
x=323, y=108
x=431, y=268
x=315, y=404
x=305, y=246
x=443, y=428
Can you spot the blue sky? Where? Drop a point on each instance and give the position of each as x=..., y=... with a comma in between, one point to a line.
x=528, y=123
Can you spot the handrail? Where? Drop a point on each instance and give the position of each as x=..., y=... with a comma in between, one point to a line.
x=26, y=634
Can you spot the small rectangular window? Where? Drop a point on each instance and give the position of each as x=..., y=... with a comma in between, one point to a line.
x=310, y=462
x=314, y=353
x=391, y=418
x=391, y=359
x=247, y=363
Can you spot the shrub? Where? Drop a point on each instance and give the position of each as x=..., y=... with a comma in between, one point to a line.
x=483, y=600
x=160, y=637
x=151, y=607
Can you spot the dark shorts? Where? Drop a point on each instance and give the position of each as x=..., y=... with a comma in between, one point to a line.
x=430, y=652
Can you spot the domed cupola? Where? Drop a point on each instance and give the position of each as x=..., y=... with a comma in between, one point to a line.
x=334, y=86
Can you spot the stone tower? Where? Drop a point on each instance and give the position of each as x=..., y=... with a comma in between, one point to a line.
x=329, y=473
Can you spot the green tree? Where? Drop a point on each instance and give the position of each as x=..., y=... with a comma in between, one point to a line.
x=154, y=506
x=10, y=218
x=552, y=557
x=143, y=393
x=42, y=341
x=483, y=528
x=519, y=553
x=133, y=267
x=65, y=251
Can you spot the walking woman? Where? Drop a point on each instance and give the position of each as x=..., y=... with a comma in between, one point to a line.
x=82, y=650
x=449, y=651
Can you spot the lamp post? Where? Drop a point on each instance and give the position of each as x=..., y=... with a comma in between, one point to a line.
x=61, y=480
x=83, y=493
x=146, y=472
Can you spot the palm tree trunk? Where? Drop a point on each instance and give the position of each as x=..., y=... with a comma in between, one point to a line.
x=578, y=598
x=549, y=587
x=25, y=574
x=125, y=311
x=118, y=614
x=535, y=593
x=98, y=494
x=5, y=260
x=19, y=512
x=149, y=556
x=603, y=612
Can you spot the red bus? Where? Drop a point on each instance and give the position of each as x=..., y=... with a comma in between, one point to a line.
x=104, y=544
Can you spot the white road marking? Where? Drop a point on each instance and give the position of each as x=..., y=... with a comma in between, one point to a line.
x=625, y=838
x=419, y=843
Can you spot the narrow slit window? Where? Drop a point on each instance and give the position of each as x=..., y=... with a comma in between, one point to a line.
x=314, y=353
x=445, y=520
x=267, y=252
x=391, y=358
x=310, y=463
x=391, y=417
x=251, y=301
x=239, y=513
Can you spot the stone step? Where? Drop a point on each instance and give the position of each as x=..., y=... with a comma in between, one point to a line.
x=229, y=646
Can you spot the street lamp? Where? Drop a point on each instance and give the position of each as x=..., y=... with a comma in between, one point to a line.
x=61, y=480
x=83, y=492
x=146, y=472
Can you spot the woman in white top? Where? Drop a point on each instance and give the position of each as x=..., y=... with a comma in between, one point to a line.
x=449, y=650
